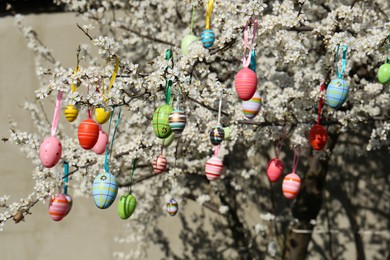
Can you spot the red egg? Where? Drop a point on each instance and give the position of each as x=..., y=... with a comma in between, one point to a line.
x=58, y=207
x=246, y=83
x=318, y=137
x=275, y=169
x=160, y=164
x=50, y=151
x=291, y=185
x=88, y=134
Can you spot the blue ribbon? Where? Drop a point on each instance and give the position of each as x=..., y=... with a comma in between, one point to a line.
x=252, y=66
x=343, y=61
x=66, y=177
x=106, y=168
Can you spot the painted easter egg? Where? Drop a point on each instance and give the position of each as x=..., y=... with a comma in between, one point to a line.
x=318, y=137
x=214, y=167
x=384, y=73
x=172, y=207
x=88, y=134
x=337, y=93
x=227, y=131
x=166, y=141
x=160, y=164
x=186, y=42
x=252, y=107
x=246, y=83
x=177, y=121
x=70, y=202
x=126, y=206
x=275, y=169
x=50, y=151
x=71, y=112
x=105, y=189
x=208, y=38
x=101, y=143
x=161, y=121
x=58, y=207
x=291, y=185
x=217, y=134
x=101, y=115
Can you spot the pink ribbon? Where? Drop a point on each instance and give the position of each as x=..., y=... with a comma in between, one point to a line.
x=296, y=160
x=216, y=150
x=246, y=60
x=56, y=113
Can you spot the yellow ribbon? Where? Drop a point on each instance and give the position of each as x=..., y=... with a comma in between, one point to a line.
x=73, y=87
x=208, y=13
x=113, y=76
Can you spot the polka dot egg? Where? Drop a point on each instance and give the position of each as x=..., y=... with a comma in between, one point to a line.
x=50, y=151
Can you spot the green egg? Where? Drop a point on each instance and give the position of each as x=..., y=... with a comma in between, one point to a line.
x=384, y=73
x=228, y=131
x=187, y=40
x=167, y=141
x=126, y=206
x=161, y=121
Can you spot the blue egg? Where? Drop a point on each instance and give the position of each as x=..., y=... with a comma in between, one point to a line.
x=105, y=189
x=337, y=93
x=207, y=38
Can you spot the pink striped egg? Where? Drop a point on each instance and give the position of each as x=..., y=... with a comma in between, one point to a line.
x=291, y=185
x=275, y=169
x=101, y=144
x=160, y=164
x=50, y=151
x=246, y=83
x=58, y=207
x=252, y=107
x=214, y=168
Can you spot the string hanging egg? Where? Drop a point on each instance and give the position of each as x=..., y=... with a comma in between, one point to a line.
x=160, y=164
x=172, y=207
x=101, y=115
x=217, y=134
x=126, y=206
x=318, y=137
x=71, y=112
x=214, y=167
x=275, y=169
x=291, y=185
x=104, y=190
x=161, y=121
x=177, y=121
x=88, y=134
x=50, y=151
x=58, y=207
x=252, y=107
x=101, y=143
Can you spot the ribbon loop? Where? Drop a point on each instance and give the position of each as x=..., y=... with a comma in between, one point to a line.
x=168, y=82
x=297, y=154
x=322, y=89
x=66, y=177
x=56, y=113
x=216, y=150
x=109, y=151
x=252, y=66
x=343, y=61
x=246, y=60
x=208, y=14
x=132, y=173
x=72, y=86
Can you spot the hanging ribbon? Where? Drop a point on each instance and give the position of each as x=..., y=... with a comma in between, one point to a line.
x=343, y=61
x=252, y=66
x=208, y=14
x=387, y=45
x=296, y=160
x=281, y=142
x=66, y=177
x=192, y=20
x=219, y=108
x=106, y=168
x=113, y=76
x=216, y=150
x=132, y=173
x=72, y=86
x=320, y=105
x=56, y=113
x=246, y=60
x=168, y=83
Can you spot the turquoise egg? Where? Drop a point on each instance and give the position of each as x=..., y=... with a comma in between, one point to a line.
x=208, y=38
x=104, y=190
x=337, y=93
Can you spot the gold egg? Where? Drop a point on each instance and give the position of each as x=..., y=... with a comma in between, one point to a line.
x=101, y=115
x=71, y=112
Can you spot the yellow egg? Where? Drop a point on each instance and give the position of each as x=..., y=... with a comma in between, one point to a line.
x=71, y=112
x=102, y=115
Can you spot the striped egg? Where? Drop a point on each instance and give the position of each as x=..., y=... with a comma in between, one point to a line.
x=101, y=143
x=88, y=134
x=70, y=201
x=126, y=206
x=58, y=207
x=161, y=121
x=172, y=207
x=252, y=107
x=246, y=84
x=208, y=38
x=71, y=112
x=383, y=73
x=166, y=141
x=318, y=137
x=217, y=134
x=186, y=42
x=50, y=151
x=177, y=121
x=337, y=93
x=291, y=185
x=214, y=167
x=104, y=190
x=160, y=164
x=275, y=169
x=101, y=115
